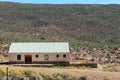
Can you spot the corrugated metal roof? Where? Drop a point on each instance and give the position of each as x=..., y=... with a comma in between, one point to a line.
x=39, y=47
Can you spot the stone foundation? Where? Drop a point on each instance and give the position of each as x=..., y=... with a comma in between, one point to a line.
x=16, y=62
x=57, y=63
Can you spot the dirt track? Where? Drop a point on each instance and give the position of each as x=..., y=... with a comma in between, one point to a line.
x=90, y=74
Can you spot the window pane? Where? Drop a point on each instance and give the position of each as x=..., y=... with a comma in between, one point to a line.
x=18, y=57
x=46, y=57
x=57, y=56
x=64, y=55
x=37, y=56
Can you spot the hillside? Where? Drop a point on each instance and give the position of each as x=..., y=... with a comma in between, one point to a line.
x=81, y=25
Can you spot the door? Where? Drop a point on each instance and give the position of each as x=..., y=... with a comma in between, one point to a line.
x=28, y=59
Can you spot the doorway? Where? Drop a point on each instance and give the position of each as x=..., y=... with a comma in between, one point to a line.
x=28, y=59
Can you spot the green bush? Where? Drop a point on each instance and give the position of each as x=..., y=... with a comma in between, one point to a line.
x=47, y=76
x=112, y=68
x=30, y=73
x=58, y=78
x=83, y=78
x=73, y=78
x=106, y=78
x=2, y=73
x=20, y=74
x=16, y=73
x=33, y=78
x=83, y=67
x=17, y=78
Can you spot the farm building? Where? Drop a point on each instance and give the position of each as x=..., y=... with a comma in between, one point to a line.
x=39, y=53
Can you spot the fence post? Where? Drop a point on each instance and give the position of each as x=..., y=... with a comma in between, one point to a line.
x=7, y=73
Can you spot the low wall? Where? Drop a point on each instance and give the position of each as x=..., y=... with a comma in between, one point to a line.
x=16, y=62
x=92, y=65
x=57, y=63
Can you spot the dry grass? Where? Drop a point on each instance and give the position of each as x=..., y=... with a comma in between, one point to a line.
x=90, y=74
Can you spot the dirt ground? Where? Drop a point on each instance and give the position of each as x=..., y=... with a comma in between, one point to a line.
x=91, y=74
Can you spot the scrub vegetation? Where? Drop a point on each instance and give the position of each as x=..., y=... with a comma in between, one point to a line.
x=81, y=25
x=23, y=74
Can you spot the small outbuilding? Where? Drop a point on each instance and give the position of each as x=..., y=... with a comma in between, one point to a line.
x=39, y=53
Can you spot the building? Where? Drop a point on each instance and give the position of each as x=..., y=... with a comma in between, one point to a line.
x=39, y=53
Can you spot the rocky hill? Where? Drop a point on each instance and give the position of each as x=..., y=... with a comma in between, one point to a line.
x=81, y=25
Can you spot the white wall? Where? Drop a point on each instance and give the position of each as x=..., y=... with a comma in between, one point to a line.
x=52, y=56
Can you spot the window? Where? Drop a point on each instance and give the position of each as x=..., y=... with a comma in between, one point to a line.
x=64, y=55
x=46, y=57
x=18, y=57
x=36, y=56
x=57, y=56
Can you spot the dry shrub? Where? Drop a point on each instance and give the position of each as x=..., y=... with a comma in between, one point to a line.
x=2, y=73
